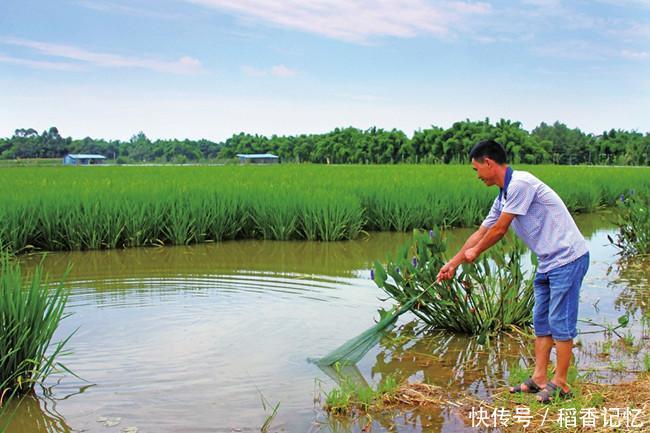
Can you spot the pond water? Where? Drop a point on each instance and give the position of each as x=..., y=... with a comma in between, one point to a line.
x=187, y=339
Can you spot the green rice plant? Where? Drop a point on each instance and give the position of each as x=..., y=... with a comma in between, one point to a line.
x=142, y=221
x=275, y=217
x=99, y=225
x=56, y=208
x=409, y=208
x=18, y=225
x=633, y=237
x=405, y=211
x=51, y=219
x=229, y=218
x=472, y=212
x=178, y=225
x=646, y=362
x=327, y=217
x=377, y=211
x=29, y=315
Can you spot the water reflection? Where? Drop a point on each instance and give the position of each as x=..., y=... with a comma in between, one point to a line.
x=634, y=275
x=454, y=362
x=301, y=257
x=35, y=415
x=446, y=359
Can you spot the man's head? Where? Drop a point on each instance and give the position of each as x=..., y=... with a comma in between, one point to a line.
x=488, y=160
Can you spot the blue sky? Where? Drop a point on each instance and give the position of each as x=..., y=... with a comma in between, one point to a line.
x=211, y=68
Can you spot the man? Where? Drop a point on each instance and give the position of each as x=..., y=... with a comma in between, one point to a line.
x=540, y=218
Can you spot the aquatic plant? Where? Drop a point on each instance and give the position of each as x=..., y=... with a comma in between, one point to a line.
x=30, y=312
x=266, y=405
x=488, y=297
x=633, y=237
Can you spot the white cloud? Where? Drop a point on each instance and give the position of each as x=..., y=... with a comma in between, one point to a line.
x=37, y=64
x=632, y=32
x=126, y=9
x=576, y=50
x=282, y=71
x=635, y=55
x=628, y=3
x=543, y=3
x=584, y=50
x=356, y=20
x=184, y=65
x=276, y=71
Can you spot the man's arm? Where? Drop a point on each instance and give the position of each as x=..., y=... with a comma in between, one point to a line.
x=449, y=269
x=479, y=241
x=491, y=237
x=471, y=242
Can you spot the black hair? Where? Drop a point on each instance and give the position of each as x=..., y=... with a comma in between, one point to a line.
x=489, y=148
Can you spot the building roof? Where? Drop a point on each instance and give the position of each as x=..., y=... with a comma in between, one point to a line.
x=86, y=156
x=256, y=155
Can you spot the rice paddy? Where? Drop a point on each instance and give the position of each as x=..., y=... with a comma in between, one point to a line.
x=83, y=208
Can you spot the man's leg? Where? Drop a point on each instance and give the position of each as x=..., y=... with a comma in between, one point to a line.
x=543, y=346
x=543, y=339
x=564, y=351
x=565, y=285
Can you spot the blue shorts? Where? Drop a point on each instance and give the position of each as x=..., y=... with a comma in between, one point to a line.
x=557, y=294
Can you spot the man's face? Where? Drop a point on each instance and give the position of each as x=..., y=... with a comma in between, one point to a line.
x=485, y=171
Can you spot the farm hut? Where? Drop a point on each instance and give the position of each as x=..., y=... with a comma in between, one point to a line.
x=83, y=159
x=257, y=158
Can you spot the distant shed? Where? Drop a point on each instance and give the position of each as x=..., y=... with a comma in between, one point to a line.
x=83, y=159
x=257, y=158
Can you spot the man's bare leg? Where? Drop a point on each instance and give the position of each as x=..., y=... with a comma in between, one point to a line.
x=543, y=346
x=564, y=351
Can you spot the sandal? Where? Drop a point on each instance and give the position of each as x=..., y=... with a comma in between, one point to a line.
x=547, y=394
x=533, y=388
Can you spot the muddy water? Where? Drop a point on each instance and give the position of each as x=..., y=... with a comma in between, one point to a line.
x=187, y=339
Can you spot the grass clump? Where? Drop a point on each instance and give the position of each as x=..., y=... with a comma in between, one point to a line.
x=354, y=397
x=30, y=312
x=489, y=296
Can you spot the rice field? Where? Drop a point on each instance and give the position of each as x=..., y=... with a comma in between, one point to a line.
x=79, y=208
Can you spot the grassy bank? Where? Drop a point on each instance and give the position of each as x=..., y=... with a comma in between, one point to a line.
x=69, y=208
x=595, y=407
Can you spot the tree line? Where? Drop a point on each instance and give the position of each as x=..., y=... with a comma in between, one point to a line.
x=547, y=143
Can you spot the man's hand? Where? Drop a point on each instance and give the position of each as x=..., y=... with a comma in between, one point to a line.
x=447, y=272
x=471, y=254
